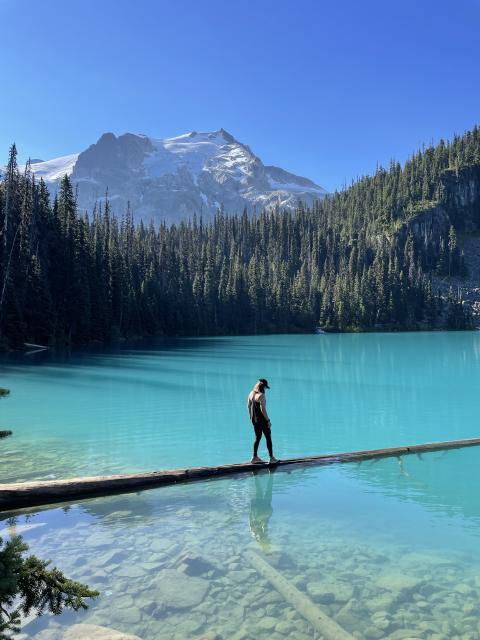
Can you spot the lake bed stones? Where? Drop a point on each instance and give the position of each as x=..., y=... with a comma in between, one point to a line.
x=177, y=590
x=113, y=556
x=350, y=615
x=404, y=634
x=267, y=623
x=398, y=582
x=329, y=592
x=385, y=602
x=195, y=564
x=285, y=627
x=130, y=571
x=190, y=625
x=94, y=632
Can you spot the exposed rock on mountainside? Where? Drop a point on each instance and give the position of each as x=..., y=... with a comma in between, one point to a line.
x=173, y=178
x=460, y=208
x=469, y=286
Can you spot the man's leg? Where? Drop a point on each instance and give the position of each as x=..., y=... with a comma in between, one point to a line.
x=258, y=435
x=268, y=438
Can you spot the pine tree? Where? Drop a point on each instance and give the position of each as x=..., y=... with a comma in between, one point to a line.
x=28, y=585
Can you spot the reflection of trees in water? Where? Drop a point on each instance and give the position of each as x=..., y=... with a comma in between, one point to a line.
x=30, y=463
x=442, y=480
x=106, y=511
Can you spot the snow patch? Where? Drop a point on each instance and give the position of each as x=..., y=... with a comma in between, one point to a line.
x=295, y=188
x=54, y=170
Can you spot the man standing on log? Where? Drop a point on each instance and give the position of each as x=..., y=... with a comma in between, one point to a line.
x=257, y=410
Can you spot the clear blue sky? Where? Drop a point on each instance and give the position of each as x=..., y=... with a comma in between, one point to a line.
x=323, y=89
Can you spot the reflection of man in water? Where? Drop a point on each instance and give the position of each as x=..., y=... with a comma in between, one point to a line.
x=261, y=509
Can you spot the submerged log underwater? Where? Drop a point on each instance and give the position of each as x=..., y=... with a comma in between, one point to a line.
x=326, y=626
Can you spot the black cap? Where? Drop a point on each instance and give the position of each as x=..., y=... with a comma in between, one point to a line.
x=264, y=382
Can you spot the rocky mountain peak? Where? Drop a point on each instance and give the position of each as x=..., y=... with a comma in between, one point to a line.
x=169, y=179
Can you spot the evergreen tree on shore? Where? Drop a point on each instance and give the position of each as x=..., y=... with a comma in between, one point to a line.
x=67, y=278
x=28, y=586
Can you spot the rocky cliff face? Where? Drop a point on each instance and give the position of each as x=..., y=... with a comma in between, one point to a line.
x=462, y=198
x=460, y=207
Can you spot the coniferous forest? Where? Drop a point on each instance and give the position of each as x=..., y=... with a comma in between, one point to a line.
x=353, y=262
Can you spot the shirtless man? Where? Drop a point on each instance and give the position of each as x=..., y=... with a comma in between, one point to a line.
x=257, y=410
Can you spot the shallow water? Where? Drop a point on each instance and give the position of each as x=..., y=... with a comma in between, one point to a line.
x=387, y=548
x=182, y=402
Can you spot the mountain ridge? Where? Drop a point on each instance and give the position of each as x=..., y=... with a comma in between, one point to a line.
x=169, y=179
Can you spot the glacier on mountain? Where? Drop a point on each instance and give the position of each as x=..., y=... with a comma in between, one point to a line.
x=173, y=178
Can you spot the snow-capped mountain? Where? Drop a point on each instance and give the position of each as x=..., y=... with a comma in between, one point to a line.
x=173, y=178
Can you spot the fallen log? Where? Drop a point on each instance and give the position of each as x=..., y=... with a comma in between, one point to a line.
x=28, y=494
x=326, y=626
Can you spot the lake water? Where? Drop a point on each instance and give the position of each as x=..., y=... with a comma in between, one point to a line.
x=386, y=548
x=183, y=402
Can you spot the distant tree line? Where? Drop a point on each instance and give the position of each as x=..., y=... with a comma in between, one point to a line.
x=70, y=278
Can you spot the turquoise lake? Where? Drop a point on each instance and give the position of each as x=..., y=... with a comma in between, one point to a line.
x=385, y=548
x=183, y=402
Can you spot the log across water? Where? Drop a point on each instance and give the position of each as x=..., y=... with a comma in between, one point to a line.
x=27, y=494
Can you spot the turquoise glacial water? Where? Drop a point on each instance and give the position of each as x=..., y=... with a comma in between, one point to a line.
x=386, y=548
x=183, y=402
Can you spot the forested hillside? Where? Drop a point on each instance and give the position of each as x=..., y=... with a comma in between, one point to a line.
x=364, y=258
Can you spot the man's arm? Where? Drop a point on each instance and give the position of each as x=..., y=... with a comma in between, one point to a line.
x=249, y=405
x=263, y=406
